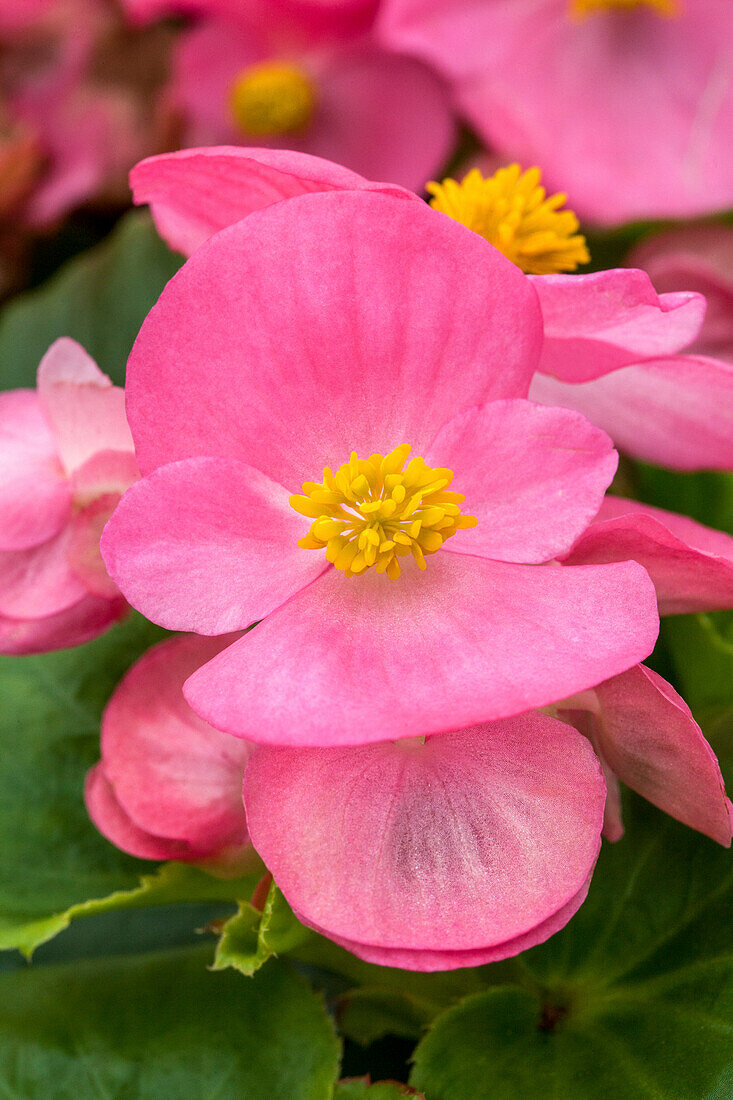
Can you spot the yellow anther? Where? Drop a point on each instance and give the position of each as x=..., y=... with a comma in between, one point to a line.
x=511, y=210
x=581, y=8
x=372, y=511
x=272, y=98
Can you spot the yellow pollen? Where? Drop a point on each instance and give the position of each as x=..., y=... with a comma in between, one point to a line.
x=374, y=511
x=271, y=99
x=580, y=8
x=512, y=211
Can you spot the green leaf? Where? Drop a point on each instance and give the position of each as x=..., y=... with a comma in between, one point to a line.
x=372, y=1001
x=161, y=1026
x=361, y=1088
x=368, y=1014
x=250, y=938
x=52, y=859
x=706, y=496
x=100, y=298
x=633, y=998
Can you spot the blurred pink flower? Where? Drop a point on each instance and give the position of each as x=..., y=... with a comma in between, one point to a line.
x=330, y=17
x=376, y=111
x=627, y=108
x=87, y=119
x=612, y=344
x=66, y=456
x=359, y=322
x=169, y=786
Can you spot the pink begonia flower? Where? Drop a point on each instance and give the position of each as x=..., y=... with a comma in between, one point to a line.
x=378, y=112
x=691, y=565
x=356, y=323
x=675, y=410
x=88, y=127
x=628, y=107
x=168, y=785
x=698, y=258
x=66, y=456
x=479, y=843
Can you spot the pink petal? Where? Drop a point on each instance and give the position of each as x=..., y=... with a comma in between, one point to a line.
x=196, y=192
x=209, y=545
x=534, y=477
x=114, y=823
x=691, y=565
x=74, y=626
x=104, y=473
x=83, y=553
x=85, y=411
x=410, y=319
x=584, y=722
x=649, y=738
x=35, y=501
x=675, y=412
x=39, y=582
x=465, y=842
x=171, y=773
x=597, y=323
x=352, y=661
x=696, y=258
x=386, y=116
x=452, y=960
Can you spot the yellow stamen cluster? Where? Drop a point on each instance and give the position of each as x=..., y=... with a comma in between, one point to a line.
x=581, y=8
x=512, y=211
x=374, y=510
x=271, y=99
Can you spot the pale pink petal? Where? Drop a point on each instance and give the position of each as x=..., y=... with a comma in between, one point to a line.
x=419, y=960
x=78, y=624
x=208, y=545
x=465, y=842
x=675, y=412
x=113, y=822
x=651, y=741
x=196, y=192
x=691, y=565
x=174, y=775
x=85, y=411
x=533, y=477
x=248, y=354
x=104, y=473
x=35, y=500
x=609, y=319
x=39, y=582
x=354, y=660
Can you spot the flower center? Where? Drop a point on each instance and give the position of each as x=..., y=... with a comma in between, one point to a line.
x=512, y=211
x=581, y=8
x=375, y=510
x=272, y=98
